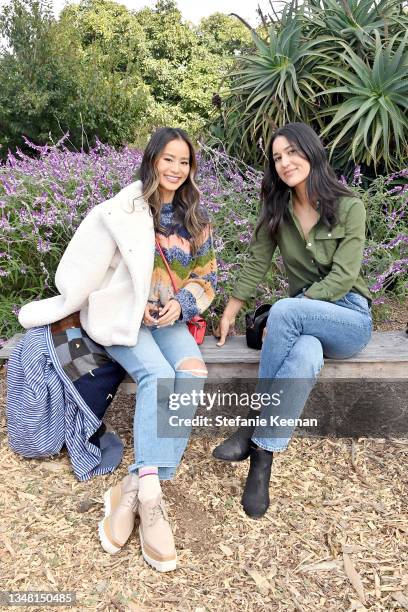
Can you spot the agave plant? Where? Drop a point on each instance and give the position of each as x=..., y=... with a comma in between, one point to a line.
x=339, y=65
x=353, y=21
x=279, y=83
x=370, y=124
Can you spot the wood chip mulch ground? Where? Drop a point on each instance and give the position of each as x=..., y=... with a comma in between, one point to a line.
x=392, y=315
x=334, y=539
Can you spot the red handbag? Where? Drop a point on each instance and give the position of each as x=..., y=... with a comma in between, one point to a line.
x=197, y=325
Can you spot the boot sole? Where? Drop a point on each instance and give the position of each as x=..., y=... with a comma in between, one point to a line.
x=160, y=566
x=255, y=516
x=105, y=541
x=231, y=460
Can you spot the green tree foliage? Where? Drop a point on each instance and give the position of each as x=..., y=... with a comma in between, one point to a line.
x=341, y=66
x=111, y=50
x=33, y=82
x=53, y=81
x=186, y=65
x=224, y=34
x=168, y=36
x=110, y=30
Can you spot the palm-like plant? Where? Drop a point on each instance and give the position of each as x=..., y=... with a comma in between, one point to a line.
x=352, y=21
x=370, y=125
x=339, y=65
x=281, y=72
x=279, y=83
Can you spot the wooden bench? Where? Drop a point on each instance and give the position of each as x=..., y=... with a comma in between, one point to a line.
x=385, y=356
x=366, y=395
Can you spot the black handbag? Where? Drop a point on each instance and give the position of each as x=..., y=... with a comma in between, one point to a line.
x=255, y=324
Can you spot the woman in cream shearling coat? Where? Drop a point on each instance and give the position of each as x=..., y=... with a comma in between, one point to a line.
x=114, y=275
x=106, y=270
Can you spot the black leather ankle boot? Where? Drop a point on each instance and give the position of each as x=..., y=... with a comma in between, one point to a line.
x=237, y=446
x=255, y=499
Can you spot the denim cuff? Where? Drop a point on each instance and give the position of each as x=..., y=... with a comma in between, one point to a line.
x=270, y=446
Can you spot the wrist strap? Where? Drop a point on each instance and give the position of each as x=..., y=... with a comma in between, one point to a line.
x=167, y=265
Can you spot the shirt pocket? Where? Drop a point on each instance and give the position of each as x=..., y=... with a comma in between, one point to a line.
x=326, y=242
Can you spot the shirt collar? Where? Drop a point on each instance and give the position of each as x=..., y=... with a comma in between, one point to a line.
x=290, y=205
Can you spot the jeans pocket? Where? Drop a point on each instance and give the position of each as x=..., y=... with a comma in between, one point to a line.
x=355, y=301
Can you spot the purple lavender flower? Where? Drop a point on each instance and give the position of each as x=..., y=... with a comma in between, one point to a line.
x=357, y=176
x=44, y=198
x=245, y=237
x=43, y=246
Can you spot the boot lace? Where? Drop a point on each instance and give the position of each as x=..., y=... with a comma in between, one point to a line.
x=156, y=513
x=130, y=499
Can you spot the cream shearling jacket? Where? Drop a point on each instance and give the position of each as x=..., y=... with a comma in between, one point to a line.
x=105, y=272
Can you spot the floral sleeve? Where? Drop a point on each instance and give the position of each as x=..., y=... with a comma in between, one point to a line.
x=198, y=289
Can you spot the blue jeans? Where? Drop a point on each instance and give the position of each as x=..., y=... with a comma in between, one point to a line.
x=299, y=332
x=156, y=364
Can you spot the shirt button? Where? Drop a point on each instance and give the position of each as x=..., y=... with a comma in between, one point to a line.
x=329, y=235
x=313, y=261
x=309, y=244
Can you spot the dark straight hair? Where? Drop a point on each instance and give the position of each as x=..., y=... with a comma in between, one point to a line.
x=186, y=201
x=322, y=185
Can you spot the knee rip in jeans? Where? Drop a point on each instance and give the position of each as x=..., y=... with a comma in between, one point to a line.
x=193, y=365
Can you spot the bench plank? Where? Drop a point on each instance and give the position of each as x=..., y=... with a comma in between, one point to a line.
x=6, y=349
x=383, y=346
x=385, y=356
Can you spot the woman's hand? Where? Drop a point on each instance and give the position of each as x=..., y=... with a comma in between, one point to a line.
x=169, y=314
x=223, y=328
x=228, y=319
x=147, y=317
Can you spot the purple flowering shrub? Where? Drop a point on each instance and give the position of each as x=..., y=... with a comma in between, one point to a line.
x=44, y=198
x=42, y=201
x=230, y=191
x=386, y=253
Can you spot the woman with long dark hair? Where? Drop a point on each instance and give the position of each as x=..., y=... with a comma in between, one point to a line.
x=139, y=267
x=319, y=227
x=166, y=359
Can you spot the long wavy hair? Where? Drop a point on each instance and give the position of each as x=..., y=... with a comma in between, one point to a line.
x=186, y=201
x=322, y=185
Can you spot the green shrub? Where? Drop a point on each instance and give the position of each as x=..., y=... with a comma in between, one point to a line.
x=42, y=201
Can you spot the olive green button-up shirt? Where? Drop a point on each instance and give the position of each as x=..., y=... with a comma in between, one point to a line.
x=328, y=263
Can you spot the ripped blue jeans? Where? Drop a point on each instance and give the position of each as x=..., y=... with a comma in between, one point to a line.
x=300, y=332
x=163, y=362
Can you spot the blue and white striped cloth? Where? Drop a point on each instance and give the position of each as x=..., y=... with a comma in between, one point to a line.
x=46, y=411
